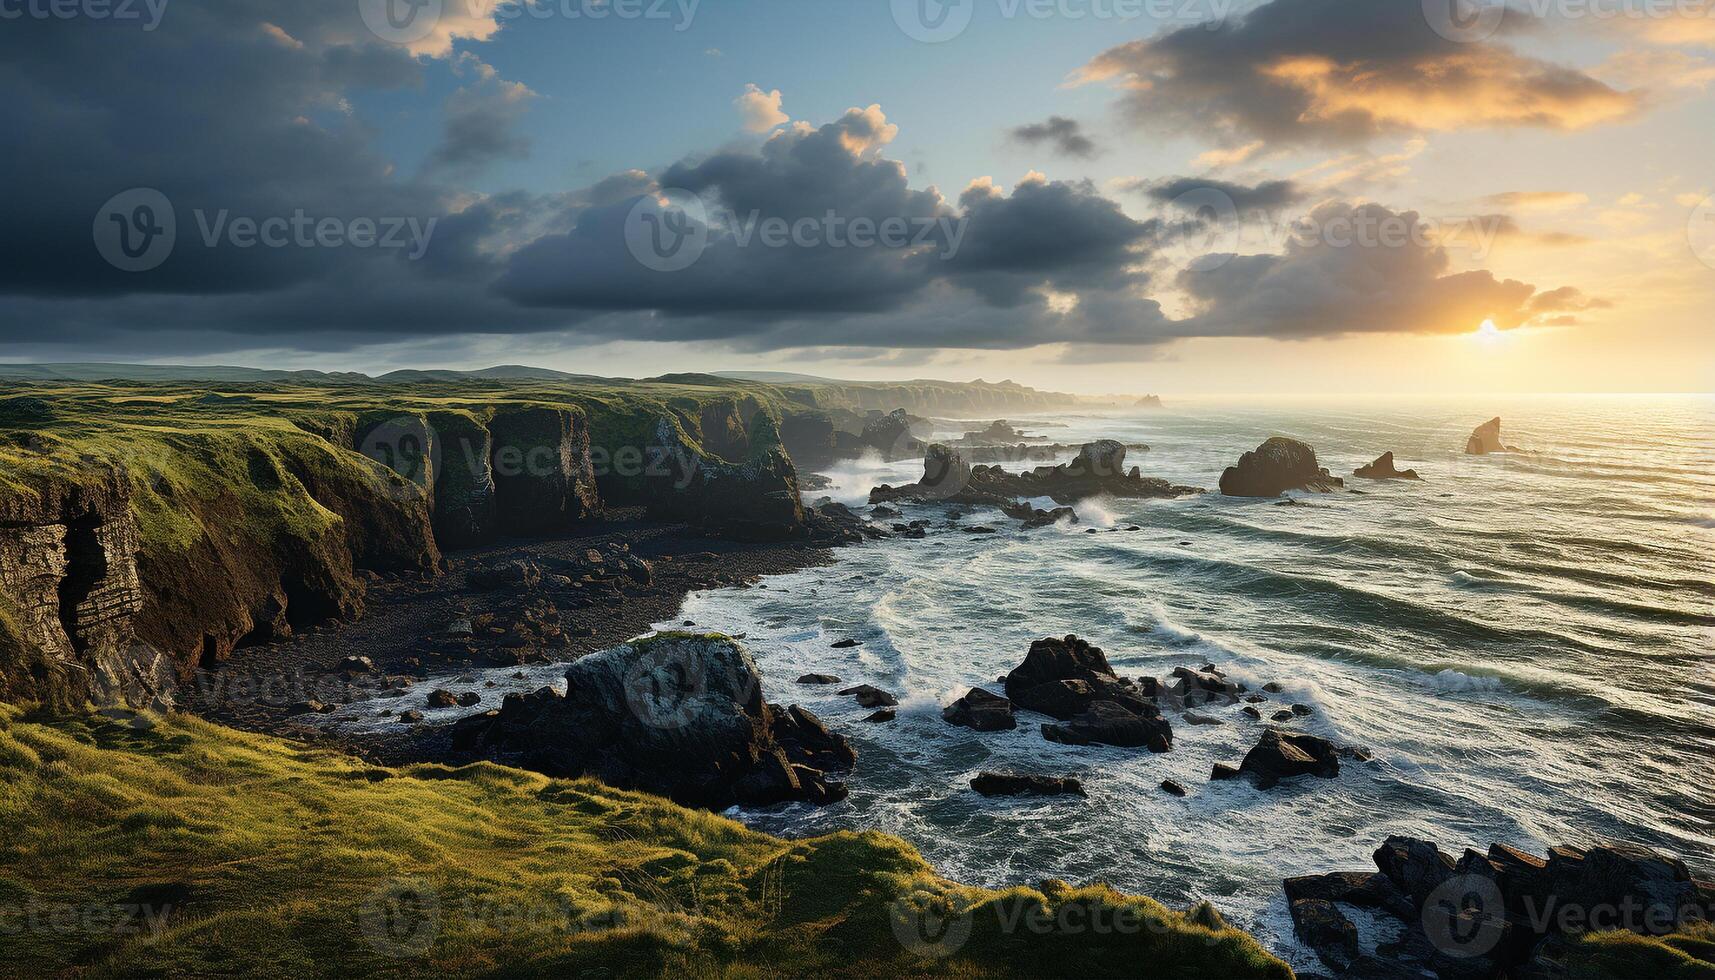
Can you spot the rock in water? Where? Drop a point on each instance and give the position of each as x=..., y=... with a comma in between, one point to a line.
x=1107, y=723
x=1486, y=438
x=1282, y=755
x=1012, y=784
x=1383, y=469
x=678, y=715
x=1104, y=457
x=982, y=711
x=1276, y=466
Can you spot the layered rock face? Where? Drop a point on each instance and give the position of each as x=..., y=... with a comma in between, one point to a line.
x=678, y=715
x=544, y=478
x=68, y=595
x=1098, y=469
x=1276, y=466
x=756, y=498
x=464, y=482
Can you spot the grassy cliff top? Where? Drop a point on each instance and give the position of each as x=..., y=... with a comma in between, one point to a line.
x=147, y=845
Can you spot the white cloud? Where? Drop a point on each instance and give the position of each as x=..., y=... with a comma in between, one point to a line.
x=760, y=110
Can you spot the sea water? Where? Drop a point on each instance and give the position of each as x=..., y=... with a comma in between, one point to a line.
x=1522, y=640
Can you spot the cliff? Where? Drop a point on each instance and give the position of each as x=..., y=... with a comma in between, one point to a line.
x=260, y=856
x=147, y=529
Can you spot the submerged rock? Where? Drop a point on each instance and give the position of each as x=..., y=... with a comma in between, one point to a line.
x=1276, y=466
x=982, y=711
x=678, y=715
x=1013, y=784
x=871, y=697
x=1383, y=469
x=1109, y=723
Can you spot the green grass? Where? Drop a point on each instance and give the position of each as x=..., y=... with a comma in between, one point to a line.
x=284, y=860
x=1686, y=955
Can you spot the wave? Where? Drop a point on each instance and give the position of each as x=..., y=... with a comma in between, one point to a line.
x=1458, y=682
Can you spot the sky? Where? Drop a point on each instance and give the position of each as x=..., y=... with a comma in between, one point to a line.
x=1175, y=196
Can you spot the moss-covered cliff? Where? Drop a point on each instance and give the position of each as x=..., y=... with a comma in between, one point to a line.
x=201, y=850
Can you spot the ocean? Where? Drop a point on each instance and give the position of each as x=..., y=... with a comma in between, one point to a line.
x=1522, y=640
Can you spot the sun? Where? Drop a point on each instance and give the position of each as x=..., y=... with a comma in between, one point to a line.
x=1488, y=331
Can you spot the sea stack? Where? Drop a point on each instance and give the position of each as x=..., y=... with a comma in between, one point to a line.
x=1276, y=466
x=1486, y=438
x=1383, y=469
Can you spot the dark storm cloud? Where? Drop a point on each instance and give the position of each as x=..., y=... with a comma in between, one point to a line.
x=242, y=110
x=1359, y=269
x=1064, y=136
x=1342, y=72
x=1269, y=195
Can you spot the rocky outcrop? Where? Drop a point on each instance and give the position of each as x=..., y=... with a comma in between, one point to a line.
x=1500, y=913
x=1098, y=469
x=981, y=711
x=1015, y=784
x=810, y=439
x=1383, y=469
x=1071, y=680
x=464, y=480
x=544, y=478
x=1276, y=466
x=1486, y=438
x=1282, y=755
x=891, y=435
x=757, y=498
x=69, y=593
x=678, y=715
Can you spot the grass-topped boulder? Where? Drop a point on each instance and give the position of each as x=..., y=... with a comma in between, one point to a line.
x=179, y=848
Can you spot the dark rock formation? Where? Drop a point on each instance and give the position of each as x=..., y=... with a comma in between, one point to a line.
x=1097, y=470
x=757, y=498
x=678, y=715
x=1173, y=787
x=1486, y=438
x=1503, y=913
x=1035, y=517
x=1014, y=784
x=463, y=492
x=1110, y=723
x=1276, y=466
x=1282, y=755
x=1061, y=677
x=1383, y=469
x=982, y=711
x=871, y=697
x=809, y=438
x=818, y=679
x=544, y=479
x=891, y=434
